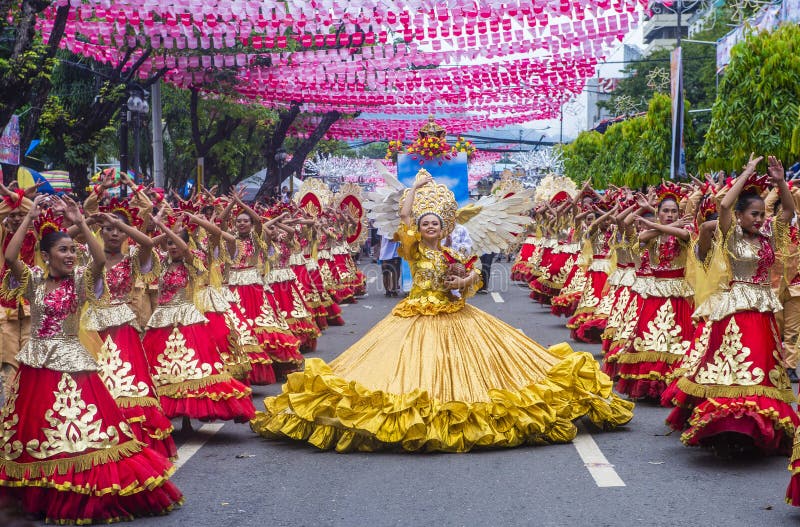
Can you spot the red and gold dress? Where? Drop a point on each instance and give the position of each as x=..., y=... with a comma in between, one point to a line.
x=185, y=362
x=735, y=380
x=243, y=275
x=66, y=450
x=121, y=358
x=440, y=375
x=584, y=327
x=282, y=288
x=299, y=265
x=620, y=283
x=333, y=313
x=521, y=269
x=664, y=326
x=334, y=282
x=553, y=277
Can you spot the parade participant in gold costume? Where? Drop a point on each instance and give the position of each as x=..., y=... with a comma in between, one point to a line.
x=438, y=374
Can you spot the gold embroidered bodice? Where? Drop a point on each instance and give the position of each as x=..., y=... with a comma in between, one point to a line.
x=429, y=271
x=55, y=319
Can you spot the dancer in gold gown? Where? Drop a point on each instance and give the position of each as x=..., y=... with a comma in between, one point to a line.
x=437, y=374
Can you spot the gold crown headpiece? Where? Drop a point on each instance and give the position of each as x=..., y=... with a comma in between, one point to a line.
x=434, y=198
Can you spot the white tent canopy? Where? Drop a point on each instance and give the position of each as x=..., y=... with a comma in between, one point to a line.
x=254, y=182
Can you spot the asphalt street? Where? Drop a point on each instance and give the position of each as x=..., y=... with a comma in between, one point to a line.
x=238, y=479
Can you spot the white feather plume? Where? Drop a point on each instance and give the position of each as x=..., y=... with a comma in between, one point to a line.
x=383, y=204
x=498, y=220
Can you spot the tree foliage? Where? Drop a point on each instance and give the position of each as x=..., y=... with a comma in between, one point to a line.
x=633, y=152
x=757, y=106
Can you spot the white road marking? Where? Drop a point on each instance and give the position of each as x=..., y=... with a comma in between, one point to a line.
x=497, y=298
x=191, y=447
x=370, y=279
x=595, y=462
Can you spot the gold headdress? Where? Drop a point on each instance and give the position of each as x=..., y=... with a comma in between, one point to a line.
x=313, y=196
x=434, y=198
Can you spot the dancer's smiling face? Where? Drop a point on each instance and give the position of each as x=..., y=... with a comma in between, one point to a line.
x=243, y=224
x=430, y=228
x=750, y=213
x=60, y=254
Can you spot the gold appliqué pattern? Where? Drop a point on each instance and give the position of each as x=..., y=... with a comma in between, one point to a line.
x=179, y=363
x=298, y=309
x=116, y=373
x=729, y=365
x=604, y=308
x=696, y=354
x=663, y=334
x=615, y=318
x=563, y=273
x=629, y=321
x=10, y=449
x=777, y=375
x=74, y=425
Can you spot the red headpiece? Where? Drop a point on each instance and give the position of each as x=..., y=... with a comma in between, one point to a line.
x=46, y=223
x=559, y=197
x=670, y=190
x=708, y=206
x=123, y=207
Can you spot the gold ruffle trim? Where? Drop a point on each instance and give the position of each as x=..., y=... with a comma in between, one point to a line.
x=648, y=356
x=213, y=300
x=280, y=275
x=58, y=353
x=662, y=287
x=741, y=297
x=182, y=390
x=623, y=276
x=785, y=425
x=182, y=314
x=248, y=276
x=100, y=317
x=330, y=412
x=712, y=391
x=130, y=402
x=426, y=305
x=79, y=463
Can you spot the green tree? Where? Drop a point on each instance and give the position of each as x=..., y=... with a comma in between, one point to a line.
x=757, y=106
x=374, y=150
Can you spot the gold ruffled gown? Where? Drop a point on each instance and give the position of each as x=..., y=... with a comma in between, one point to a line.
x=440, y=375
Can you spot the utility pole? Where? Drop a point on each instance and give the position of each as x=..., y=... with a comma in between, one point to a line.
x=158, y=139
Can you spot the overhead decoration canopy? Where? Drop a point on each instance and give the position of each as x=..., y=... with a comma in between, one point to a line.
x=474, y=64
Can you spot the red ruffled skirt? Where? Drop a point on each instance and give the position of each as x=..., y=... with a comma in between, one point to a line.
x=124, y=370
x=312, y=296
x=616, y=317
x=521, y=270
x=737, y=384
x=335, y=286
x=662, y=337
x=190, y=377
x=289, y=301
x=566, y=302
x=624, y=334
x=590, y=299
x=333, y=311
x=80, y=462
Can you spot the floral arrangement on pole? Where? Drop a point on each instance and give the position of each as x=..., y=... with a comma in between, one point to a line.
x=465, y=146
x=394, y=148
x=431, y=145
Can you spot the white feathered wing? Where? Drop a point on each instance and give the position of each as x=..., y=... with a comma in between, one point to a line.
x=383, y=204
x=493, y=222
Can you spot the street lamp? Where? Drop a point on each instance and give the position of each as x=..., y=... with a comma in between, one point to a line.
x=280, y=157
x=135, y=106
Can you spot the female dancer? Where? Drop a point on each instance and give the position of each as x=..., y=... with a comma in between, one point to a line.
x=664, y=326
x=184, y=360
x=246, y=257
x=438, y=374
x=66, y=450
x=122, y=361
x=738, y=396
